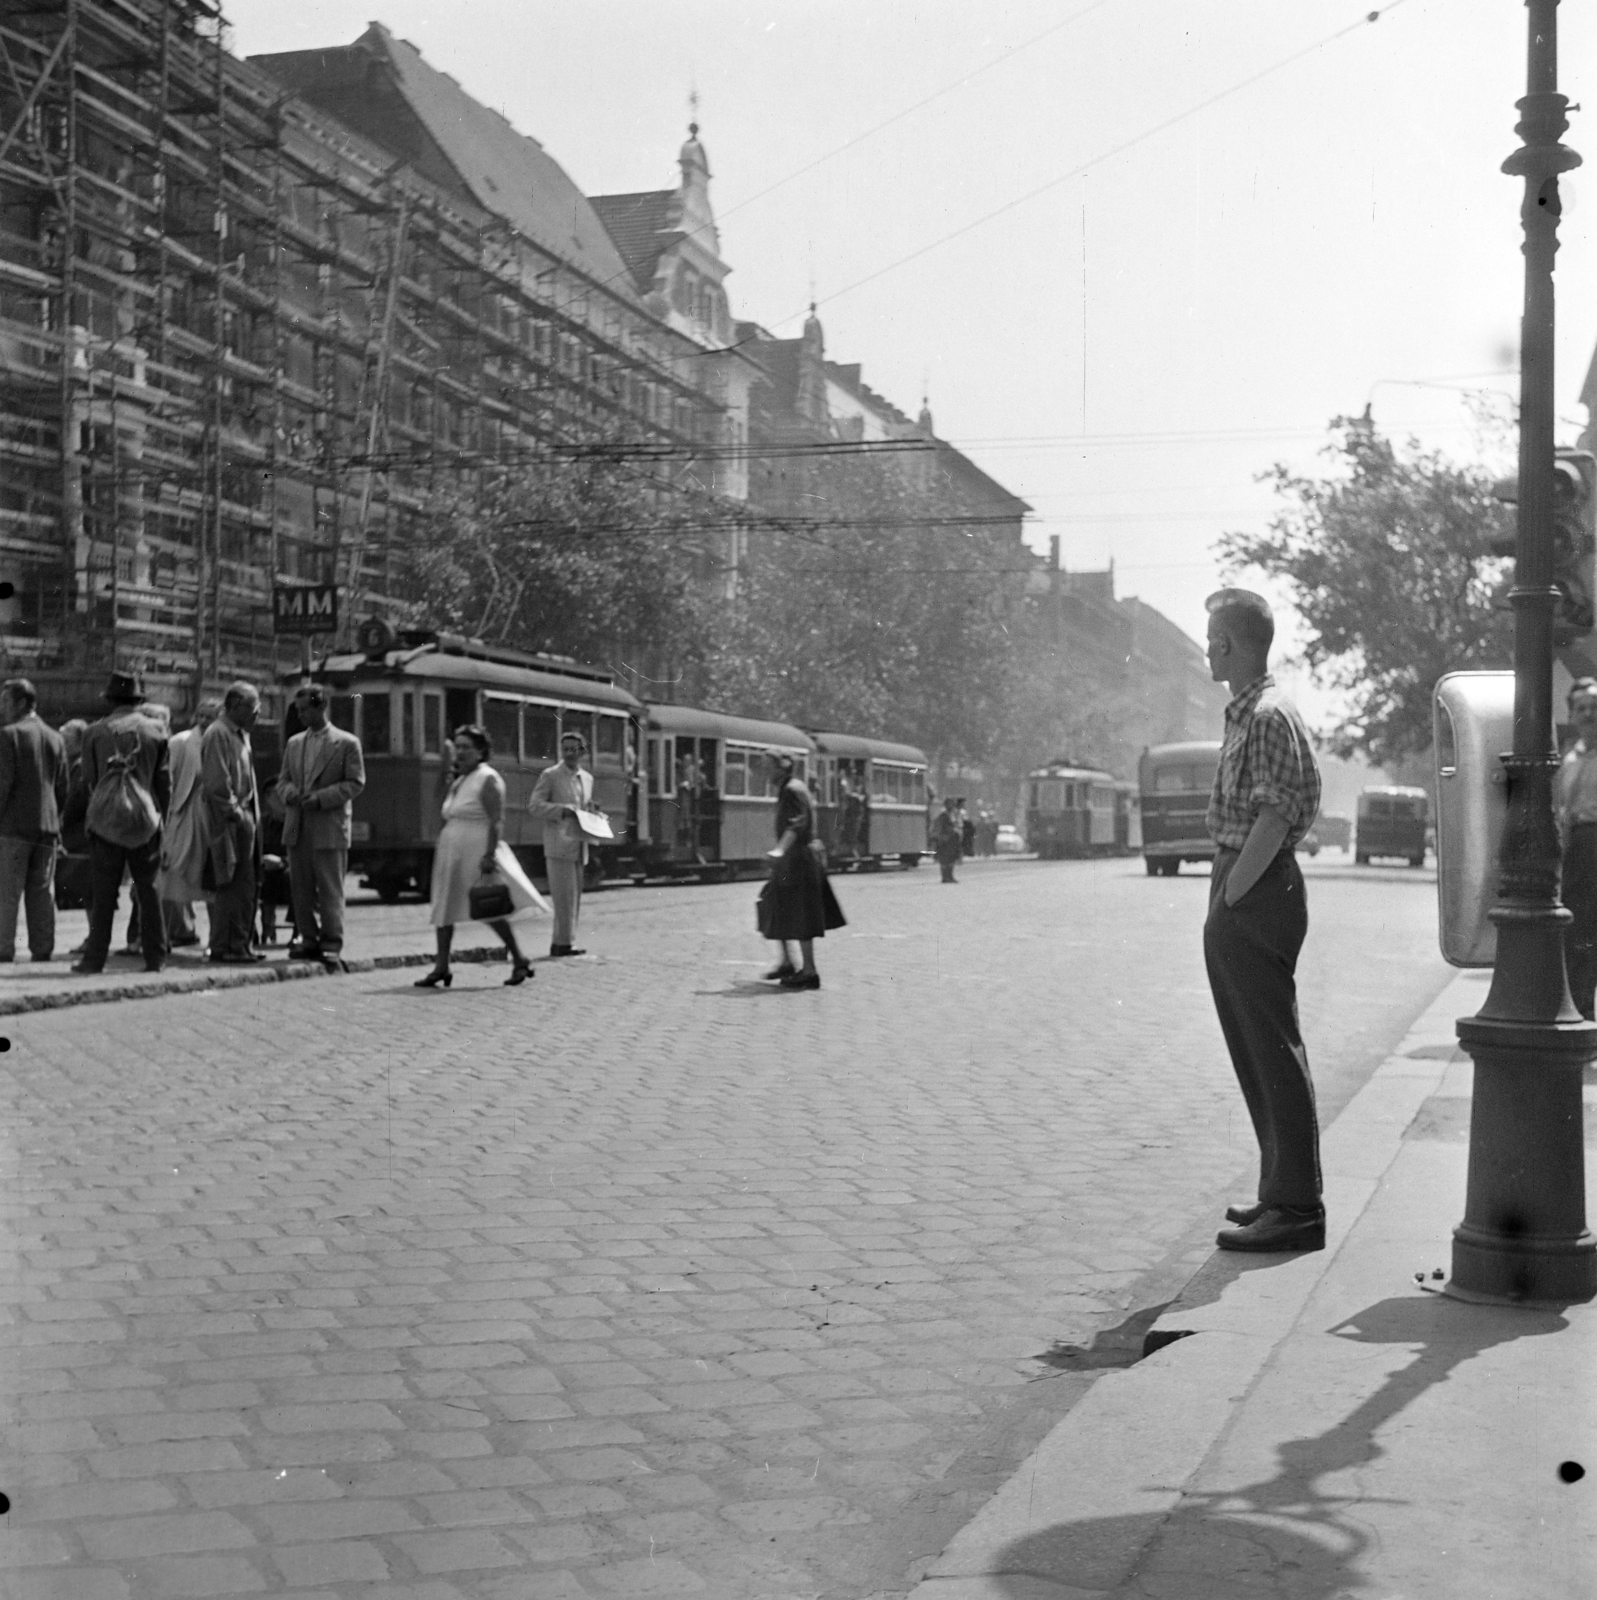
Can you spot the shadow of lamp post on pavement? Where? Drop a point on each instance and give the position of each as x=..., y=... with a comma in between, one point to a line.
x=1524, y=1238
x=1293, y=1535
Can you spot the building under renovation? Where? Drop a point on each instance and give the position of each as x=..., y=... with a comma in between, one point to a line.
x=250, y=312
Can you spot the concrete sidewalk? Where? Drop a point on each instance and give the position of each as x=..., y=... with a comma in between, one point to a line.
x=1334, y=1426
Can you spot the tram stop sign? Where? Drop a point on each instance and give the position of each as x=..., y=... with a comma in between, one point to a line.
x=305, y=608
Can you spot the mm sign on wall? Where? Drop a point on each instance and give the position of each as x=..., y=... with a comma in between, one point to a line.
x=305, y=608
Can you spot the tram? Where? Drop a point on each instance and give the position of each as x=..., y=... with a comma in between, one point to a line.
x=871, y=800
x=1175, y=782
x=401, y=694
x=1071, y=811
x=711, y=803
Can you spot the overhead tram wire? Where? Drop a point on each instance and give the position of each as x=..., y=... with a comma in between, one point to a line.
x=1108, y=155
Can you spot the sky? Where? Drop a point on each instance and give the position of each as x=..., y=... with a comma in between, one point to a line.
x=1132, y=251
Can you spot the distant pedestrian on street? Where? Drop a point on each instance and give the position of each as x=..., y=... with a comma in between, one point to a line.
x=561, y=792
x=947, y=838
x=1266, y=794
x=233, y=820
x=797, y=903
x=1577, y=814
x=128, y=781
x=33, y=794
x=967, y=831
x=469, y=850
x=323, y=772
x=185, y=839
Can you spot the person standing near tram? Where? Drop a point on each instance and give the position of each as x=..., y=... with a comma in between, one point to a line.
x=561, y=792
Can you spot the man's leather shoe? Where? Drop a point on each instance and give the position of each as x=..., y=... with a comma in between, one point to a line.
x=84, y=967
x=1277, y=1230
x=153, y=966
x=246, y=959
x=305, y=952
x=566, y=950
x=1243, y=1215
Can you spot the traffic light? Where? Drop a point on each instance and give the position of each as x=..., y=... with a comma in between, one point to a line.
x=1574, y=541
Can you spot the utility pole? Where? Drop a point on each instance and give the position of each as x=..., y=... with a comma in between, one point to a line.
x=1524, y=1237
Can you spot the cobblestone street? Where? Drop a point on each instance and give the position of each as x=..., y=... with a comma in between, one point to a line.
x=644, y=1279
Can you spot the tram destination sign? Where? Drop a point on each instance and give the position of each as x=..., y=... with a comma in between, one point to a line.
x=305, y=608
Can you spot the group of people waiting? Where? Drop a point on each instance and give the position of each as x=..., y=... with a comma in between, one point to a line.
x=177, y=814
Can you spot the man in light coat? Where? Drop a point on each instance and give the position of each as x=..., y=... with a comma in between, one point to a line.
x=323, y=771
x=233, y=818
x=559, y=794
x=186, y=838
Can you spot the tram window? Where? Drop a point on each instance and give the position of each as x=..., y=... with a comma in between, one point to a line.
x=540, y=733
x=611, y=733
x=375, y=723
x=341, y=712
x=432, y=724
x=737, y=772
x=919, y=788
x=460, y=707
x=501, y=719
x=407, y=723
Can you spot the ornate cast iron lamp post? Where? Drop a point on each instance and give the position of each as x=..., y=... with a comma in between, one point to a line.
x=1524, y=1234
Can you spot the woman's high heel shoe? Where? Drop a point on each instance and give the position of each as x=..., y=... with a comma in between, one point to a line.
x=520, y=971
x=438, y=975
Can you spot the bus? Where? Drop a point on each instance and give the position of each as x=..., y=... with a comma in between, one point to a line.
x=1176, y=781
x=1391, y=822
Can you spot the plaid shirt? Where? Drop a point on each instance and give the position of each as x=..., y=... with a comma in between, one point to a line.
x=1266, y=760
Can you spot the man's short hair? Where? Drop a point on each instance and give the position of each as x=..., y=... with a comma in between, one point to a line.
x=1580, y=686
x=1245, y=616
x=571, y=733
x=22, y=691
x=314, y=694
x=241, y=693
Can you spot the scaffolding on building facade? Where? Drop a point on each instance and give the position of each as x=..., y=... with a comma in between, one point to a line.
x=239, y=343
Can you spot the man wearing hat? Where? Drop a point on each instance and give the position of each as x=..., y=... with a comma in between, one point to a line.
x=124, y=759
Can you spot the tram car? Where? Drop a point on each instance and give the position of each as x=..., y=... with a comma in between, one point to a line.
x=871, y=800
x=711, y=801
x=403, y=694
x=1175, y=782
x=1071, y=811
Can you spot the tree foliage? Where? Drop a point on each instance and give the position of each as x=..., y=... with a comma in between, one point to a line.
x=583, y=557
x=866, y=610
x=1390, y=565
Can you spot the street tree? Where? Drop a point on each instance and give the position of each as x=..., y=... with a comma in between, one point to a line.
x=1389, y=560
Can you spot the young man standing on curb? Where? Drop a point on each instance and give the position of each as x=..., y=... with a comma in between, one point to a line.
x=1266, y=795
x=559, y=794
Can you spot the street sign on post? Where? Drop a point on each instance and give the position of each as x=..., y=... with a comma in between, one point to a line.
x=305, y=608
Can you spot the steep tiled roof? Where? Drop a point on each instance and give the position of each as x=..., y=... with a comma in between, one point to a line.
x=503, y=171
x=641, y=227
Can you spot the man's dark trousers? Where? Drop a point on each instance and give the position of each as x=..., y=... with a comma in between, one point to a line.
x=233, y=906
x=1251, y=951
x=106, y=861
x=1580, y=895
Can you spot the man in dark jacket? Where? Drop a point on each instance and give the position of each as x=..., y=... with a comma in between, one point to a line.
x=124, y=740
x=33, y=792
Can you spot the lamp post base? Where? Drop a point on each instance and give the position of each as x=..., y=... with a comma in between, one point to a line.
x=1524, y=1237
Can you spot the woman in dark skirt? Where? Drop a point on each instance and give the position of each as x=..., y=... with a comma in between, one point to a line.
x=797, y=902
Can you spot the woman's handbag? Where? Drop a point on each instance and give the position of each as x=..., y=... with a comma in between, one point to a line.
x=489, y=900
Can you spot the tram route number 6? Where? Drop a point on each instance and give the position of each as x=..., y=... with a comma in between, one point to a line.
x=305, y=608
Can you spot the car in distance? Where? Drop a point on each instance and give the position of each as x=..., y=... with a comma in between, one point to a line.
x=1009, y=841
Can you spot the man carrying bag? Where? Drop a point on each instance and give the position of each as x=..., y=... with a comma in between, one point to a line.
x=128, y=780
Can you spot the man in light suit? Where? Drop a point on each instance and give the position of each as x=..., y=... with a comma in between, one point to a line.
x=323, y=771
x=559, y=794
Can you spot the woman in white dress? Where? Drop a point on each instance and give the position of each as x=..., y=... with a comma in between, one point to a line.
x=468, y=849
